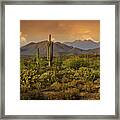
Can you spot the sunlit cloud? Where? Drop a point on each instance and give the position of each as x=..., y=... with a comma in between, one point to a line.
x=87, y=32
x=23, y=38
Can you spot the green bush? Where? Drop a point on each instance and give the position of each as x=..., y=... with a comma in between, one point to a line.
x=66, y=79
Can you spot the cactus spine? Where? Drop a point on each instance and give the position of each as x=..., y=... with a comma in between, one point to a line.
x=50, y=51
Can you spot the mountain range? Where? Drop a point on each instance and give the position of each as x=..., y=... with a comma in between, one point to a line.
x=84, y=44
x=58, y=49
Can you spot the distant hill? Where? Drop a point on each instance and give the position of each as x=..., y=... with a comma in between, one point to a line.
x=58, y=49
x=85, y=45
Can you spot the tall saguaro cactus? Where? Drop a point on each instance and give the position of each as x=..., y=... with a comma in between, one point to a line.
x=37, y=56
x=50, y=50
x=38, y=53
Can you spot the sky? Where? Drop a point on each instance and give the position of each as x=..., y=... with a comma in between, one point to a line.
x=61, y=30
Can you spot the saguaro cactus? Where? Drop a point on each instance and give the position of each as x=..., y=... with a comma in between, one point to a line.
x=38, y=53
x=50, y=50
x=37, y=56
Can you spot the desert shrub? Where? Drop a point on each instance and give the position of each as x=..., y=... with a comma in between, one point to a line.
x=72, y=64
x=46, y=76
x=71, y=93
x=89, y=73
x=72, y=77
x=76, y=63
x=56, y=86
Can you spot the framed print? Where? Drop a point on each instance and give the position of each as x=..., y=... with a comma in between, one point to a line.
x=59, y=59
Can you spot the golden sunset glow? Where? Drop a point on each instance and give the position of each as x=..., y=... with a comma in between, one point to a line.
x=61, y=30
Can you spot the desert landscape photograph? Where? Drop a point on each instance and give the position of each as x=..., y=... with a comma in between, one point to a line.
x=59, y=59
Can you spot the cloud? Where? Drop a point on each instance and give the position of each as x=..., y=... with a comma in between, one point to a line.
x=23, y=37
x=87, y=32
